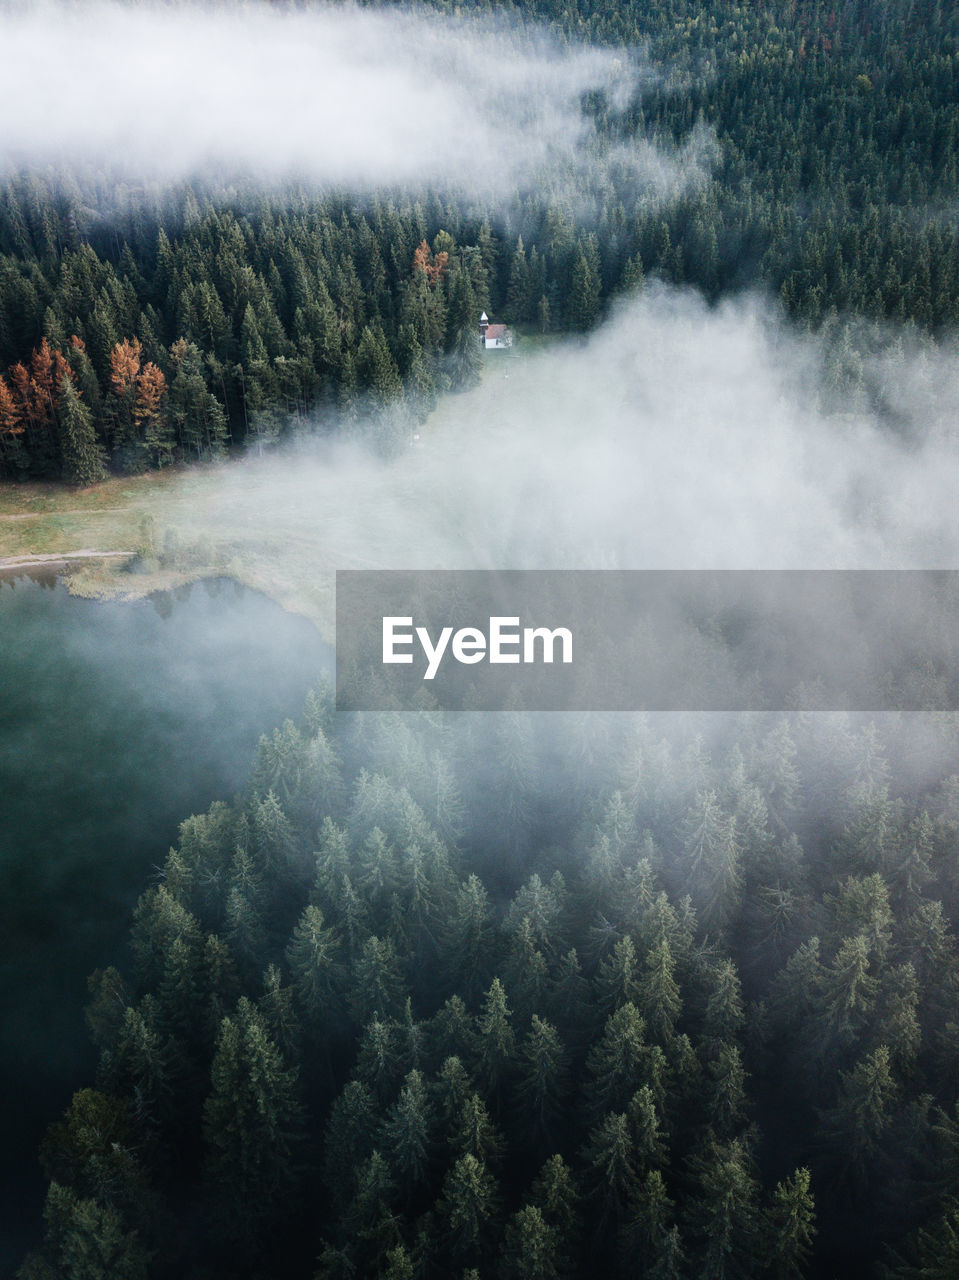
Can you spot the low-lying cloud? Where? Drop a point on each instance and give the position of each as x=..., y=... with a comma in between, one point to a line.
x=357, y=98
x=677, y=436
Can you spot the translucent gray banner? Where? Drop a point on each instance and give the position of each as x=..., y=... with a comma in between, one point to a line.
x=648, y=640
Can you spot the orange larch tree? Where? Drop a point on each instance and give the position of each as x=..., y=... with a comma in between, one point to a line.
x=433, y=265
x=124, y=366
x=151, y=388
x=33, y=395
x=11, y=422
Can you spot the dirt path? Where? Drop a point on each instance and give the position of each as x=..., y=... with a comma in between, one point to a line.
x=75, y=511
x=60, y=557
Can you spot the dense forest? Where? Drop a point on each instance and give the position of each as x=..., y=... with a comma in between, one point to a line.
x=513, y=996
x=517, y=997
x=142, y=326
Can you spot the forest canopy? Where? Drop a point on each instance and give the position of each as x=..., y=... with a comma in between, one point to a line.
x=475, y=997
x=821, y=165
x=534, y=996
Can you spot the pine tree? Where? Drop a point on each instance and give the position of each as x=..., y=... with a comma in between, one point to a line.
x=585, y=291
x=724, y=1008
x=790, y=1227
x=244, y=911
x=451, y=1032
x=83, y=460
x=728, y=1095
x=379, y=1061
x=712, y=856
x=725, y=1214
x=568, y=999
x=464, y=353
x=496, y=1039
x=86, y=1240
x=854, y=1129
x=660, y=999
x=251, y=1126
x=474, y=1133
x=278, y=1012
x=555, y=1194
x=646, y=1225
x=376, y=369
x=618, y=981
x=453, y=1089
x=531, y=1248
x=467, y=1206
x=541, y=906
x=370, y=1224
x=610, y=1162
x=313, y=957
x=644, y=1125
x=542, y=1079
x=616, y=1062
x=93, y=1151
x=348, y=1139
x=157, y=921
x=407, y=1134
x=470, y=936
x=377, y=984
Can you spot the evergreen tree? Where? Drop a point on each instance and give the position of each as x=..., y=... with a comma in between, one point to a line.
x=725, y=1215
x=407, y=1132
x=251, y=1125
x=313, y=959
x=466, y=1207
x=791, y=1227
x=377, y=985
x=610, y=1162
x=584, y=294
x=531, y=1248
x=495, y=1037
x=542, y=1083
x=465, y=355
x=616, y=1061
x=474, y=1132
x=89, y=1241
x=79, y=447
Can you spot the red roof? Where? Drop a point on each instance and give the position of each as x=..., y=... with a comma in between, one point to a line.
x=497, y=331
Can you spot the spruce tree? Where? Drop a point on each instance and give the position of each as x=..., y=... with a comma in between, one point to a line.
x=83, y=460
x=464, y=353
x=252, y=1122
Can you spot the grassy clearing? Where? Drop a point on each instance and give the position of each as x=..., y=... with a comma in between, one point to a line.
x=281, y=523
x=176, y=522
x=255, y=520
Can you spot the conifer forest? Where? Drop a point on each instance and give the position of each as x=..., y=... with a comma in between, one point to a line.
x=519, y=995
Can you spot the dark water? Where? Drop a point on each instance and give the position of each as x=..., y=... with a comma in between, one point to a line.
x=116, y=722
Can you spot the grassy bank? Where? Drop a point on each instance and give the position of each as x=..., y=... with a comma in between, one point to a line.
x=182, y=524
x=281, y=523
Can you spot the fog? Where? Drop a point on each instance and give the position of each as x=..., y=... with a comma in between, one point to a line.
x=331, y=95
x=117, y=722
x=676, y=436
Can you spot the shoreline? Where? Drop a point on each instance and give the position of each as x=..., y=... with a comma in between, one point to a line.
x=40, y=560
x=104, y=576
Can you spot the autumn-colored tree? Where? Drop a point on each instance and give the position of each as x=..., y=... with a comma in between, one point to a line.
x=151, y=386
x=11, y=427
x=434, y=266
x=11, y=423
x=33, y=402
x=124, y=366
x=48, y=368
